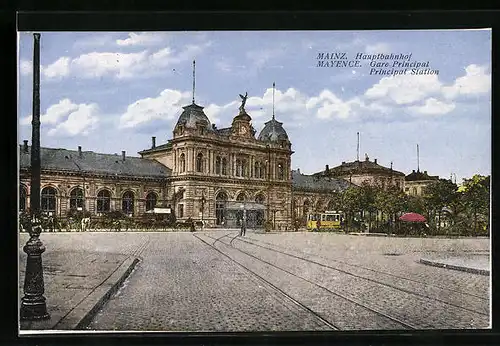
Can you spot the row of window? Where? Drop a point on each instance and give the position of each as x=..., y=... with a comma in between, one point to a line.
x=76, y=198
x=242, y=167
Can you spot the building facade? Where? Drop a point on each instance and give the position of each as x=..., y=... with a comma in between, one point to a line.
x=366, y=172
x=203, y=173
x=416, y=181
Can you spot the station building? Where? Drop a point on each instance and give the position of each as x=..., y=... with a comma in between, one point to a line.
x=203, y=173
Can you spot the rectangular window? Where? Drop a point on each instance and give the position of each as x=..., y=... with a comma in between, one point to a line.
x=181, y=210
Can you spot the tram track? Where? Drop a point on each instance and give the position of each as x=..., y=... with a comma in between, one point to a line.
x=363, y=277
x=275, y=288
x=369, y=269
x=393, y=320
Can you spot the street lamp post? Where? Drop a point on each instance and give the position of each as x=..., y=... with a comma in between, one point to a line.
x=203, y=200
x=33, y=304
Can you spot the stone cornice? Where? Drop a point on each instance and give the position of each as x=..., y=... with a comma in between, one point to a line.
x=233, y=142
x=228, y=180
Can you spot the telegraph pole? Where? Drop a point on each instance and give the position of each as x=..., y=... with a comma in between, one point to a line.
x=33, y=305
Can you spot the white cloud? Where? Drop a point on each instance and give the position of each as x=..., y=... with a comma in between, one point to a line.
x=68, y=118
x=118, y=65
x=143, y=39
x=78, y=122
x=475, y=81
x=166, y=106
x=214, y=112
x=404, y=89
x=59, y=68
x=377, y=48
x=121, y=65
x=433, y=106
x=26, y=67
x=54, y=113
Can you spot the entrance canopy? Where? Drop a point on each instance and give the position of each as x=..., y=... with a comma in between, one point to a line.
x=240, y=205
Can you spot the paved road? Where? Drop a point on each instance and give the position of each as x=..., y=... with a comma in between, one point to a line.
x=214, y=281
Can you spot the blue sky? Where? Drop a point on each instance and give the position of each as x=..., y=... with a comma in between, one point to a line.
x=113, y=91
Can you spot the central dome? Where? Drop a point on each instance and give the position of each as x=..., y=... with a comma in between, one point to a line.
x=273, y=131
x=193, y=115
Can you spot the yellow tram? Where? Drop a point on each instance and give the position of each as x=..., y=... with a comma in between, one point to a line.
x=329, y=220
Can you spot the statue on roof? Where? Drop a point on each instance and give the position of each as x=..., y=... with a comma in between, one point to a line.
x=243, y=101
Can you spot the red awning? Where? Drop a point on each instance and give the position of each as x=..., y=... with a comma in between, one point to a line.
x=412, y=217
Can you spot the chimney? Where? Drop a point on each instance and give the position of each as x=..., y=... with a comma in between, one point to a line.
x=413, y=171
x=25, y=146
x=375, y=160
x=213, y=127
x=153, y=142
x=327, y=169
x=298, y=170
x=79, y=151
x=425, y=172
x=343, y=162
x=123, y=155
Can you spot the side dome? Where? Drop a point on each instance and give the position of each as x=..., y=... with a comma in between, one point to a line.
x=273, y=131
x=192, y=116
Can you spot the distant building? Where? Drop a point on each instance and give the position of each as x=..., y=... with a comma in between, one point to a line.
x=416, y=181
x=369, y=172
x=313, y=193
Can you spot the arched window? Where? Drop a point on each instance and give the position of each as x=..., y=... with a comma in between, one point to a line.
x=263, y=171
x=244, y=168
x=22, y=198
x=238, y=167
x=305, y=208
x=151, y=201
x=259, y=214
x=76, y=198
x=257, y=169
x=128, y=202
x=199, y=163
x=224, y=166
x=281, y=171
x=48, y=201
x=241, y=197
x=220, y=207
x=217, y=165
x=259, y=198
x=182, y=163
x=103, y=201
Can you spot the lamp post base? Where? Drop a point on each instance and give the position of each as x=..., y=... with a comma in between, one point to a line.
x=33, y=308
x=33, y=305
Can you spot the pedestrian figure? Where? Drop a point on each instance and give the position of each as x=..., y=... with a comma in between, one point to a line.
x=243, y=224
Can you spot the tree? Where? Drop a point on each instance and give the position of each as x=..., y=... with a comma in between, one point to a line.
x=390, y=201
x=439, y=194
x=476, y=192
x=351, y=202
x=367, y=201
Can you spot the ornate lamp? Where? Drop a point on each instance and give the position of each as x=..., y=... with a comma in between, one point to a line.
x=33, y=305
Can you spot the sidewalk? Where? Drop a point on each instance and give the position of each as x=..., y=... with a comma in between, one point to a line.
x=77, y=284
x=477, y=264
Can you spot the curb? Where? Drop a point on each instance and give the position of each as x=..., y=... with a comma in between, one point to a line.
x=455, y=267
x=81, y=316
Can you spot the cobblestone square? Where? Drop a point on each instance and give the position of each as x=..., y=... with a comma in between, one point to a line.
x=218, y=281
